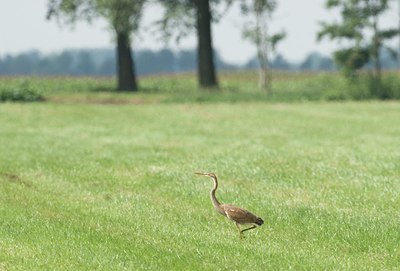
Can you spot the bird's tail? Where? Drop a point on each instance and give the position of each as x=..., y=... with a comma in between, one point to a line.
x=259, y=221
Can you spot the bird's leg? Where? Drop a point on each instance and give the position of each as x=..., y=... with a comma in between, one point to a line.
x=252, y=227
x=240, y=232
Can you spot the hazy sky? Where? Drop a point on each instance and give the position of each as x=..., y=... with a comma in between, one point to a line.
x=23, y=27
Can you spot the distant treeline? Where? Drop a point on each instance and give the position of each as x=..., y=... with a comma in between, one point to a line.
x=101, y=62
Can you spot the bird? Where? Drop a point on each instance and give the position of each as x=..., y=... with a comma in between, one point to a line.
x=236, y=214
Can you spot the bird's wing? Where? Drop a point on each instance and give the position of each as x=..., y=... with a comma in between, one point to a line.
x=239, y=215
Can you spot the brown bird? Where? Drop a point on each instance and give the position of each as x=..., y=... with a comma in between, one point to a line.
x=238, y=215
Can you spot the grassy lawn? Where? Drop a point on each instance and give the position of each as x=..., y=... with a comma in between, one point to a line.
x=111, y=186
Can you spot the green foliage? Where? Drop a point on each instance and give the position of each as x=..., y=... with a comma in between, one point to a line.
x=275, y=39
x=359, y=19
x=260, y=13
x=123, y=15
x=19, y=92
x=111, y=187
x=177, y=21
x=391, y=86
x=346, y=31
x=179, y=18
x=248, y=7
x=352, y=59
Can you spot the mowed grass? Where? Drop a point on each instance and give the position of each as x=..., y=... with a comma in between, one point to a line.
x=111, y=187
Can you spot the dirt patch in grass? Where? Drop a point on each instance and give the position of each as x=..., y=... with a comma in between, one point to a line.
x=14, y=178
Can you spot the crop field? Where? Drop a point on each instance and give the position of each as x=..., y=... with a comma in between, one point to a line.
x=105, y=181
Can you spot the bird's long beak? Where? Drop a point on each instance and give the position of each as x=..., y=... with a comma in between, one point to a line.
x=199, y=173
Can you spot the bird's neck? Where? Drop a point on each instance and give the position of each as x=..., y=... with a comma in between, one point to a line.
x=215, y=202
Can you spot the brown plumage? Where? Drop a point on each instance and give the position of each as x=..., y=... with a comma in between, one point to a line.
x=238, y=215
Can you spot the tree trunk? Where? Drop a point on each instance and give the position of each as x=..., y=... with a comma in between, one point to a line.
x=376, y=46
x=262, y=51
x=205, y=54
x=264, y=80
x=125, y=65
x=375, y=53
x=398, y=26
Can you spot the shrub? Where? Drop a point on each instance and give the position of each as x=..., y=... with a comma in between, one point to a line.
x=391, y=86
x=365, y=87
x=21, y=92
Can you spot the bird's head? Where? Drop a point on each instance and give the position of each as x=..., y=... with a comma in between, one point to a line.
x=212, y=175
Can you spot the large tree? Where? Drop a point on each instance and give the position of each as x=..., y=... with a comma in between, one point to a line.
x=364, y=37
x=181, y=17
x=123, y=17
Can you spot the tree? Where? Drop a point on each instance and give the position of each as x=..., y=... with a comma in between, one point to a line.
x=181, y=17
x=22, y=64
x=85, y=65
x=365, y=39
x=280, y=63
x=107, y=67
x=123, y=17
x=257, y=31
x=205, y=56
x=64, y=61
x=186, y=60
x=317, y=62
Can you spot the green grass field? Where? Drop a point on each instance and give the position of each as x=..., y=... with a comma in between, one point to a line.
x=111, y=186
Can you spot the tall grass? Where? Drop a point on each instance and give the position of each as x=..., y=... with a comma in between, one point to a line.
x=234, y=87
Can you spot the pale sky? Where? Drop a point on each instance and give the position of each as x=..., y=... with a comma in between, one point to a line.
x=23, y=27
